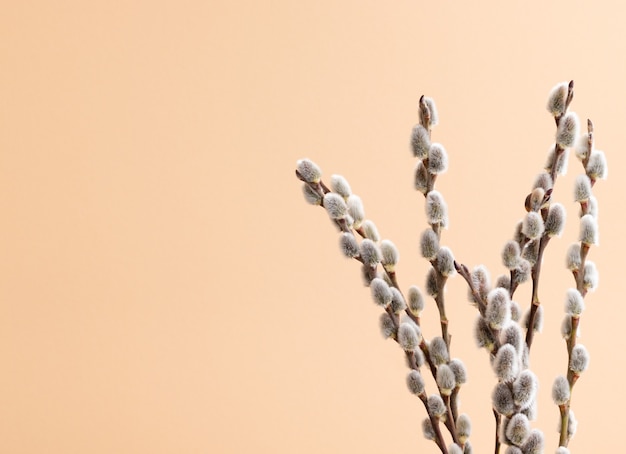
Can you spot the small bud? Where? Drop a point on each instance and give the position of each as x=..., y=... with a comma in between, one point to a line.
x=369, y=252
x=420, y=142
x=310, y=195
x=397, y=301
x=390, y=255
x=434, y=116
x=592, y=207
x=437, y=159
x=355, y=209
x=483, y=334
x=567, y=131
x=460, y=373
x=531, y=411
x=557, y=99
x=481, y=281
x=427, y=430
x=455, y=449
x=349, y=245
x=525, y=389
x=498, y=312
x=381, y=292
x=432, y=287
x=596, y=167
x=536, y=199
x=572, y=424
x=409, y=336
x=560, y=390
x=445, y=261
x=532, y=226
x=590, y=276
x=506, y=364
x=518, y=429
x=502, y=399
x=436, y=407
x=516, y=311
x=588, y=230
x=370, y=231
x=518, y=235
x=420, y=181
x=416, y=300
x=574, y=303
x=522, y=271
x=504, y=281
x=387, y=327
x=561, y=162
x=531, y=251
x=463, y=427
x=512, y=450
x=340, y=185
x=438, y=351
x=534, y=443
x=309, y=171
x=544, y=181
x=415, y=382
x=579, y=360
x=583, y=149
x=582, y=188
x=556, y=220
x=335, y=205
x=429, y=244
x=446, y=381
x=538, y=325
x=510, y=254
x=436, y=209
x=467, y=449
x=512, y=335
x=561, y=449
x=566, y=327
x=573, y=260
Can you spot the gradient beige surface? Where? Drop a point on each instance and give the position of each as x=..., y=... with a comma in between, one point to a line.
x=165, y=289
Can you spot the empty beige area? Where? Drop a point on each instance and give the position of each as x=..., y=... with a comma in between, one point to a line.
x=164, y=288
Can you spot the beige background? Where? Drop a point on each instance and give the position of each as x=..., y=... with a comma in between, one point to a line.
x=165, y=289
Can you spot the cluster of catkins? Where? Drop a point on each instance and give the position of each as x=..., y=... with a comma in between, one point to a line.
x=500, y=328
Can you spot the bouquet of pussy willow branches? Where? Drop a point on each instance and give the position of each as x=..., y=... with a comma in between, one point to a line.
x=503, y=328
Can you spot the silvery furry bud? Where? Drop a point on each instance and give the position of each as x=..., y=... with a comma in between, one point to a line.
x=574, y=302
x=387, y=327
x=498, y=312
x=390, y=255
x=311, y=195
x=455, y=449
x=438, y=351
x=544, y=181
x=532, y=226
x=381, y=292
x=522, y=271
x=536, y=199
x=512, y=450
x=335, y=205
x=340, y=185
x=429, y=244
x=516, y=311
x=512, y=335
x=436, y=407
x=460, y=373
x=588, y=230
x=481, y=281
x=445, y=261
x=538, y=319
x=583, y=147
x=427, y=430
x=420, y=142
x=420, y=181
x=397, y=301
x=557, y=99
x=370, y=231
x=567, y=131
x=510, y=254
x=579, y=360
x=445, y=379
x=582, y=188
x=572, y=424
x=416, y=300
x=369, y=252
x=436, y=209
x=556, y=220
x=573, y=260
x=308, y=170
x=530, y=251
x=432, y=287
x=463, y=427
x=590, y=276
x=597, y=167
x=561, y=449
x=502, y=399
x=437, y=159
x=349, y=245
x=566, y=327
x=483, y=334
x=518, y=429
x=560, y=390
x=415, y=382
x=432, y=109
x=409, y=336
x=504, y=281
x=525, y=389
x=506, y=364
x=356, y=210
x=534, y=443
